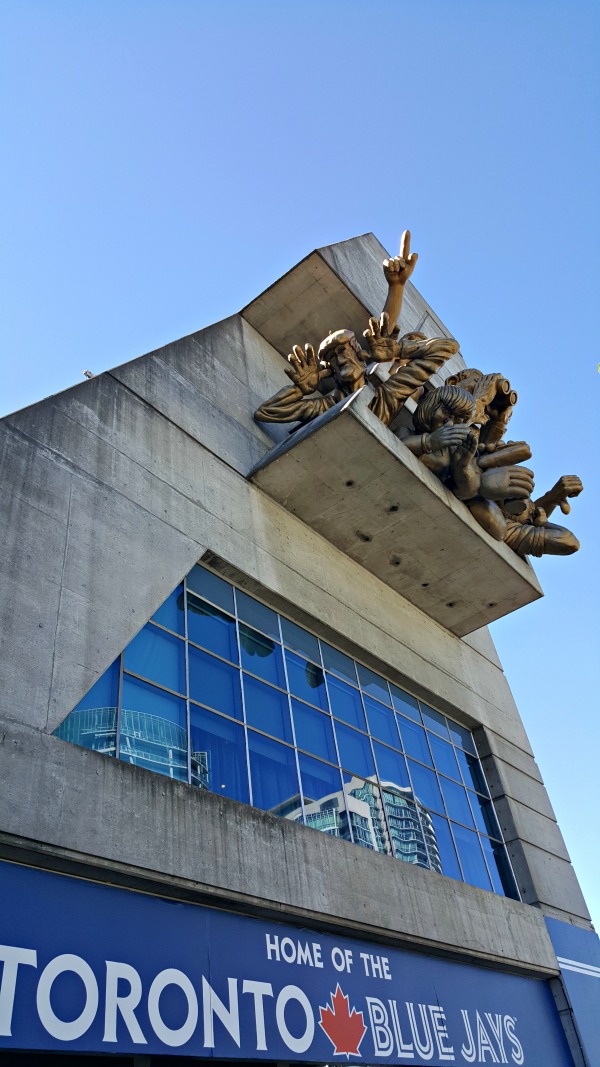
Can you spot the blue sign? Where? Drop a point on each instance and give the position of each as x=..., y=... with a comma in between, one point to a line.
x=578, y=954
x=91, y=968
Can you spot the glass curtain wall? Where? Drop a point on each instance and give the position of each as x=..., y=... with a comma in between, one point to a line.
x=219, y=691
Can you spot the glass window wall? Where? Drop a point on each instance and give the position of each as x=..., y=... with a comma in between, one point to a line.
x=220, y=691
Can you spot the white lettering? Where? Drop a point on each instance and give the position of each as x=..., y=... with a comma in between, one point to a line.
x=11, y=957
x=272, y=946
x=470, y=1051
x=375, y=966
x=317, y=954
x=296, y=1044
x=230, y=1017
x=495, y=1022
x=338, y=959
x=405, y=1051
x=124, y=1003
x=258, y=991
x=424, y=1047
x=484, y=1042
x=173, y=1038
x=509, y=1025
x=67, y=1031
x=382, y=1035
x=288, y=949
x=440, y=1031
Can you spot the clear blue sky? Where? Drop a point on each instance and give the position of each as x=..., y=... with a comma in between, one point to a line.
x=166, y=160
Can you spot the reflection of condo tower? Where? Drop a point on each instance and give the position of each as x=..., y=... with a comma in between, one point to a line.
x=247, y=671
x=410, y=837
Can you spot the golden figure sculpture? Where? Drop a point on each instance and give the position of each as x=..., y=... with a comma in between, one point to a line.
x=341, y=358
x=495, y=487
x=458, y=428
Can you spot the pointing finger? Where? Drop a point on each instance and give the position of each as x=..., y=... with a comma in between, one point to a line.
x=405, y=244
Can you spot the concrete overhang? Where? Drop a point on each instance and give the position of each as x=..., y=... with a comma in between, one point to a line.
x=338, y=287
x=348, y=477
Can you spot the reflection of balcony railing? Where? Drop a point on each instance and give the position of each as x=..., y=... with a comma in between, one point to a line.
x=146, y=740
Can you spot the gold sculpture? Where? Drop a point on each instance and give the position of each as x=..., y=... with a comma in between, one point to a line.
x=341, y=358
x=458, y=428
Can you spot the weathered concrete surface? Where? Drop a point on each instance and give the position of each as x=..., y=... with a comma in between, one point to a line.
x=86, y=803
x=350, y=479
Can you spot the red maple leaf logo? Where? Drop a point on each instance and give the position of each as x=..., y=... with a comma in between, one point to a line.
x=344, y=1028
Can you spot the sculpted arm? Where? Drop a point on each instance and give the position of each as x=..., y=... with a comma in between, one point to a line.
x=425, y=357
x=567, y=485
x=397, y=272
x=295, y=402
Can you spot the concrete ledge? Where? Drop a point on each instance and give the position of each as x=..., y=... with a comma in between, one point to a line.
x=348, y=477
x=69, y=800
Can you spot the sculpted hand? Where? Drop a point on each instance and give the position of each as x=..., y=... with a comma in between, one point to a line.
x=381, y=341
x=399, y=269
x=507, y=483
x=448, y=437
x=304, y=369
x=463, y=453
x=567, y=485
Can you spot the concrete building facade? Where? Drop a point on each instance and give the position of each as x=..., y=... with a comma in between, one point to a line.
x=150, y=483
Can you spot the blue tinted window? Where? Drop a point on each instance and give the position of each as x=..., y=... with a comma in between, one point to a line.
x=261, y=656
x=346, y=703
x=443, y=757
x=471, y=772
x=104, y=693
x=212, y=628
x=485, y=816
x=471, y=857
x=306, y=680
x=212, y=588
x=405, y=703
x=462, y=737
x=319, y=781
x=314, y=731
x=257, y=615
x=153, y=729
x=93, y=723
x=499, y=868
x=218, y=754
x=300, y=640
x=355, y=751
x=456, y=801
x=372, y=684
x=382, y=722
x=433, y=720
x=274, y=777
x=414, y=741
x=214, y=683
x=338, y=663
x=367, y=822
x=446, y=849
x=425, y=786
x=267, y=709
x=141, y=697
x=170, y=614
x=391, y=766
x=157, y=656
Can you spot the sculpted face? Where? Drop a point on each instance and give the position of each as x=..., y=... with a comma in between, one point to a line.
x=347, y=367
x=442, y=417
